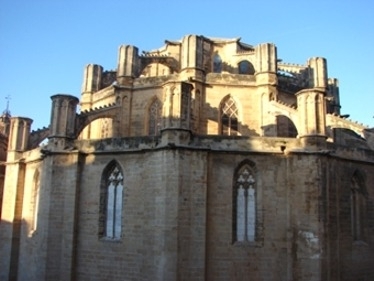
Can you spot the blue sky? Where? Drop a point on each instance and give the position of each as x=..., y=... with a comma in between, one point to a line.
x=44, y=45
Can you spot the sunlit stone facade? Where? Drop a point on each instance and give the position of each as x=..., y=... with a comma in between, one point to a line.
x=205, y=159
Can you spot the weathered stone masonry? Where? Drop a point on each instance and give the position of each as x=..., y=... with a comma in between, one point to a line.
x=206, y=159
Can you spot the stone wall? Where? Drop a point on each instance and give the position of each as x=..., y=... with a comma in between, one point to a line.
x=178, y=218
x=313, y=216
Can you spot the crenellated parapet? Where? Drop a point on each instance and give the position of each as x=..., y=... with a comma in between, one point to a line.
x=292, y=68
x=209, y=65
x=86, y=117
x=284, y=104
x=291, y=83
x=37, y=136
x=108, y=78
x=292, y=77
x=162, y=64
x=336, y=121
x=295, y=77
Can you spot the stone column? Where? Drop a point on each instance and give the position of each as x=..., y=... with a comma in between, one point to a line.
x=18, y=136
x=62, y=128
x=317, y=73
x=176, y=113
x=128, y=64
x=266, y=82
x=192, y=57
x=266, y=64
x=91, y=84
x=311, y=107
x=333, y=96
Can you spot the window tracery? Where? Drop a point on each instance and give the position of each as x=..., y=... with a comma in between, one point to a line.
x=245, y=205
x=229, y=118
x=111, y=202
x=217, y=64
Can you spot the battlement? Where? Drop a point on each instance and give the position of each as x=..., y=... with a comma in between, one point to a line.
x=291, y=67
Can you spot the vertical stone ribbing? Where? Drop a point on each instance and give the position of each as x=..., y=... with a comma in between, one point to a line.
x=62, y=218
x=192, y=52
x=91, y=84
x=266, y=82
x=317, y=72
x=192, y=57
x=18, y=136
x=177, y=106
x=192, y=208
x=266, y=58
x=19, y=133
x=127, y=64
x=62, y=128
x=333, y=96
x=311, y=108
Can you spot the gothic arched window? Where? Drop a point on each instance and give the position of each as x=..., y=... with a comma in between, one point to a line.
x=245, y=67
x=111, y=202
x=357, y=207
x=244, y=211
x=154, y=114
x=217, y=64
x=229, y=118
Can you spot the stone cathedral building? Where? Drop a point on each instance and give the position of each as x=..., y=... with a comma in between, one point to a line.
x=206, y=159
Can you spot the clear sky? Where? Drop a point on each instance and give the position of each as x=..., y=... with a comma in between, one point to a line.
x=44, y=45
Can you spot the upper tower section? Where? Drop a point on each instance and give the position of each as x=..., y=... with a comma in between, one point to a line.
x=193, y=56
x=128, y=64
x=231, y=83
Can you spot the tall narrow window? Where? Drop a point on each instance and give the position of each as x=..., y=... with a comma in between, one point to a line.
x=35, y=201
x=111, y=205
x=217, y=64
x=244, y=205
x=229, y=118
x=154, y=118
x=357, y=207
